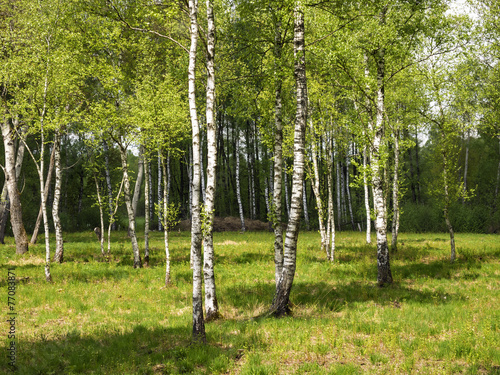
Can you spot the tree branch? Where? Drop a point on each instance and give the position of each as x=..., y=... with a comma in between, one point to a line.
x=121, y=19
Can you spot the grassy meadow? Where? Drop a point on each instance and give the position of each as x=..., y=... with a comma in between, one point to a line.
x=101, y=317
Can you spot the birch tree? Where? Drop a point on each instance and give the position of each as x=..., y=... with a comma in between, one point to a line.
x=280, y=305
x=196, y=234
x=211, y=305
x=16, y=213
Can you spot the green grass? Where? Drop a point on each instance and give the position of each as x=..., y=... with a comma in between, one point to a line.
x=102, y=317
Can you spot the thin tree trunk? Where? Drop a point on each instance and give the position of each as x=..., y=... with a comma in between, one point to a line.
x=331, y=215
x=196, y=235
x=211, y=304
x=150, y=195
x=130, y=208
x=348, y=191
x=112, y=215
x=160, y=220
x=147, y=197
x=16, y=214
x=190, y=177
x=367, y=199
x=202, y=175
x=43, y=188
x=39, y=218
x=138, y=181
x=317, y=192
x=417, y=162
x=447, y=206
x=395, y=194
x=338, y=188
x=304, y=201
x=287, y=194
x=108, y=182
x=280, y=305
x=59, y=253
x=466, y=167
x=101, y=214
x=166, y=176
x=238, y=185
x=384, y=275
x=4, y=212
x=278, y=158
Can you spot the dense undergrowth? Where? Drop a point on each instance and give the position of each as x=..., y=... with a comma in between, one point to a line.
x=104, y=317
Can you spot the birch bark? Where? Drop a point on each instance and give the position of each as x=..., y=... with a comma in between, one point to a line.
x=165, y=218
x=16, y=214
x=196, y=234
x=367, y=198
x=101, y=215
x=384, y=275
x=238, y=185
x=39, y=218
x=160, y=220
x=108, y=182
x=331, y=214
x=395, y=194
x=211, y=304
x=280, y=305
x=5, y=200
x=147, y=197
x=317, y=192
x=130, y=208
x=138, y=181
x=59, y=253
x=278, y=158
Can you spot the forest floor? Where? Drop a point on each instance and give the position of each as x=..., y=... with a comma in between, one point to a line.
x=104, y=317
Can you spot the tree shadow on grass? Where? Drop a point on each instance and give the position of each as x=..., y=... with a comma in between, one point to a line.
x=141, y=351
x=334, y=297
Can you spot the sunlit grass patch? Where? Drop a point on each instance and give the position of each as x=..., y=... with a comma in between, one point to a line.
x=102, y=316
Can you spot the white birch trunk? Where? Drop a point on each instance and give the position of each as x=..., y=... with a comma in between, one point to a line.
x=151, y=201
x=43, y=197
x=101, y=214
x=147, y=197
x=59, y=254
x=278, y=159
x=280, y=304
x=238, y=185
x=338, y=188
x=211, y=304
x=331, y=215
x=447, y=200
x=165, y=223
x=395, y=194
x=39, y=219
x=317, y=193
x=16, y=214
x=138, y=181
x=287, y=194
x=367, y=199
x=202, y=187
x=108, y=182
x=196, y=235
x=160, y=220
x=112, y=216
x=348, y=191
x=304, y=201
x=384, y=275
x=466, y=167
x=130, y=208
